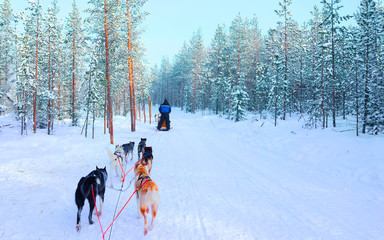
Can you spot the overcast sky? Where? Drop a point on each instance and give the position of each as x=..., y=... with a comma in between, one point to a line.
x=172, y=22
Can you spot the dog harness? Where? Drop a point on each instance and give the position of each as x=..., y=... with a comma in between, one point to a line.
x=117, y=154
x=142, y=178
x=147, y=155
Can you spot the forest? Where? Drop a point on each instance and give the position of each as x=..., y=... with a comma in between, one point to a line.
x=82, y=69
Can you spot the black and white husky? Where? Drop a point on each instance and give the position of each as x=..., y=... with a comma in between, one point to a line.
x=141, y=146
x=128, y=148
x=94, y=180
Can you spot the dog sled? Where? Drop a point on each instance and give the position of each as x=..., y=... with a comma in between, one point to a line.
x=164, y=127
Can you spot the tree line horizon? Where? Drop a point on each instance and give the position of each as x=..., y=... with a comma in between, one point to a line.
x=96, y=67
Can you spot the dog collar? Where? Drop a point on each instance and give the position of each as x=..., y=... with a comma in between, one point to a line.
x=118, y=155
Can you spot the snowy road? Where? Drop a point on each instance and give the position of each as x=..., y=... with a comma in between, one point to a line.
x=217, y=180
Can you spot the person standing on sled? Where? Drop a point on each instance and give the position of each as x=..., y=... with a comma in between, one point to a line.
x=165, y=110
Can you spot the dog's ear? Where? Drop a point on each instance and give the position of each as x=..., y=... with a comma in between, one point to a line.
x=97, y=168
x=105, y=168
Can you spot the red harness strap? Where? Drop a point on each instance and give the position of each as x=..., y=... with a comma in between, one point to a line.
x=122, y=170
x=97, y=213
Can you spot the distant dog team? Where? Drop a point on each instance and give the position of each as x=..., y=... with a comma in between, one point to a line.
x=147, y=193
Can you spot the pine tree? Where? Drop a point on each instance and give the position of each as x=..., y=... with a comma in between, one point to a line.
x=354, y=75
x=182, y=73
x=7, y=53
x=315, y=89
x=75, y=49
x=239, y=97
x=286, y=15
x=371, y=34
x=255, y=66
x=274, y=51
x=332, y=25
x=198, y=59
x=32, y=35
x=218, y=69
x=51, y=46
x=134, y=16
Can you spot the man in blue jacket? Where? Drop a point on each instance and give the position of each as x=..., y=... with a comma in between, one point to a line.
x=165, y=110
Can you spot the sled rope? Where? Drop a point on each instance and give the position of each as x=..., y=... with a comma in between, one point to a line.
x=118, y=200
x=97, y=212
x=110, y=226
x=120, y=190
x=122, y=170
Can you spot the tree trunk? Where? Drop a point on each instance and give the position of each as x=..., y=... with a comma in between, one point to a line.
x=333, y=73
x=110, y=110
x=131, y=81
x=59, y=99
x=93, y=121
x=286, y=62
x=322, y=91
x=53, y=89
x=194, y=86
x=366, y=92
x=150, y=110
x=139, y=112
x=276, y=89
x=88, y=103
x=73, y=74
x=36, y=72
x=145, y=117
x=49, y=85
x=105, y=112
x=357, y=96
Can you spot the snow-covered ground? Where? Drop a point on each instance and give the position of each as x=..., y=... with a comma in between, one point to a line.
x=217, y=180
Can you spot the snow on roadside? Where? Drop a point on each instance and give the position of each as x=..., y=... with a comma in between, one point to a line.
x=217, y=180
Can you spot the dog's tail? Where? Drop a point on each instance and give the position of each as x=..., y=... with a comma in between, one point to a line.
x=110, y=154
x=153, y=195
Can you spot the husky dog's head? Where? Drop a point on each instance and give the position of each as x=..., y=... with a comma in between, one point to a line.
x=119, y=150
x=148, y=150
x=147, y=154
x=103, y=171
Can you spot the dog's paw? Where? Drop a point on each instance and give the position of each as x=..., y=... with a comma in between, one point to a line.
x=91, y=222
x=96, y=213
x=78, y=227
x=145, y=231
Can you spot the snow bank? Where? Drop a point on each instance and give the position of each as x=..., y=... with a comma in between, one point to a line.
x=217, y=180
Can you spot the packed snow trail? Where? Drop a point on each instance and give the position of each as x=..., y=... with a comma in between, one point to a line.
x=217, y=180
